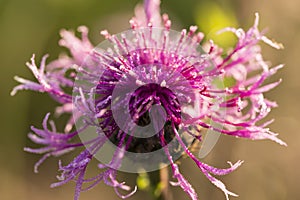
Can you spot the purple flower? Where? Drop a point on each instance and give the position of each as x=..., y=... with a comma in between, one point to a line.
x=151, y=89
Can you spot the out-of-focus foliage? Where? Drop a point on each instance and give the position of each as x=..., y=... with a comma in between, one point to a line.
x=211, y=18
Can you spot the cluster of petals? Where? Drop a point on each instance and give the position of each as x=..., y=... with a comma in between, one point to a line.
x=245, y=103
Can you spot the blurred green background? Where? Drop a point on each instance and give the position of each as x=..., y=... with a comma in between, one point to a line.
x=270, y=171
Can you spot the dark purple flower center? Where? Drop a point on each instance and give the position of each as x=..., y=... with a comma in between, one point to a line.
x=140, y=105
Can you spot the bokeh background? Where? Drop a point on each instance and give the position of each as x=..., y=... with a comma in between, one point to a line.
x=270, y=171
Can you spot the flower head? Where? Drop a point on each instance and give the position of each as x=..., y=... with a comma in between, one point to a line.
x=141, y=99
